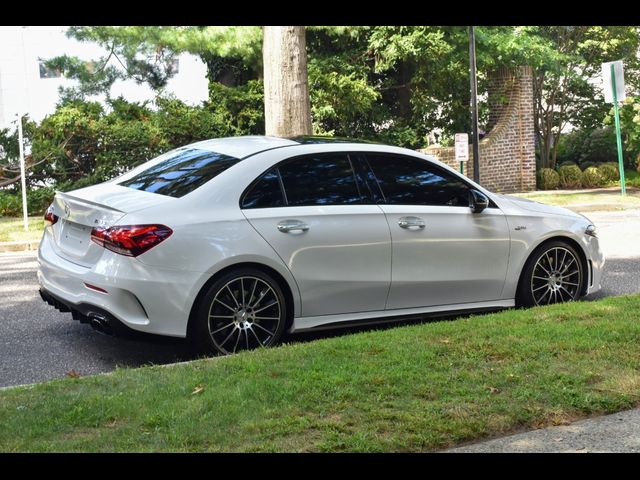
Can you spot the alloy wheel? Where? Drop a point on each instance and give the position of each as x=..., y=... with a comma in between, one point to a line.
x=244, y=314
x=556, y=277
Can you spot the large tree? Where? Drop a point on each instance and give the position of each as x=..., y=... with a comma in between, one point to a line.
x=286, y=88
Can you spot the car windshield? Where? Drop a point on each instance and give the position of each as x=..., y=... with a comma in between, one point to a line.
x=181, y=172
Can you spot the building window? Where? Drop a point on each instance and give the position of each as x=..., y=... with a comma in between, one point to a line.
x=46, y=72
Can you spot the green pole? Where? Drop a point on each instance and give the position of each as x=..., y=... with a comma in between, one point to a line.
x=462, y=168
x=618, y=135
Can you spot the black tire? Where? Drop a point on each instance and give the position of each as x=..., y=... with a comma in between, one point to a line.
x=249, y=328
x=559, y=287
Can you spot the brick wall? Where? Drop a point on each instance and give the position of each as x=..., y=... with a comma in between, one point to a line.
x=507, y=152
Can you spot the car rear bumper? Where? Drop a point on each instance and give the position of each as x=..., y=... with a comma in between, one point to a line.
x=141, y=297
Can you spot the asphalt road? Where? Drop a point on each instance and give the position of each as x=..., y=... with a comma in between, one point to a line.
x=38, y=343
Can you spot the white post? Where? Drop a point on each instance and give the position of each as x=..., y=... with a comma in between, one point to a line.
x=23, y=177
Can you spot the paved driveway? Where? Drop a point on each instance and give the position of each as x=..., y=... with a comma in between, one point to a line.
x=38, y=343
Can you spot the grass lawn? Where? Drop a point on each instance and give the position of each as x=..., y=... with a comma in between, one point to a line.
x=12, y=229
x=419, y=387
x=594, y=200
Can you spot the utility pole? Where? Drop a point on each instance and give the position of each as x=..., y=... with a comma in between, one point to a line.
x=474, y=105
x=23, y=176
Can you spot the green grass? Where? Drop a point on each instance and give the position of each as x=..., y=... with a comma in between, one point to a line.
x=12, y=229
x=597, y=200
x=420, y=387
x=632, y=178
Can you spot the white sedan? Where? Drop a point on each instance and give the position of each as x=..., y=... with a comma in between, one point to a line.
x=234, y=241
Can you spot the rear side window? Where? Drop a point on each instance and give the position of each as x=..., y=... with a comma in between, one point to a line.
x=319, y=180
x=410, y=181
x=266, y=193
x=181, y=172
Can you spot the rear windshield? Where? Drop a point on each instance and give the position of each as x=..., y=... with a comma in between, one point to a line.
x=181, y=172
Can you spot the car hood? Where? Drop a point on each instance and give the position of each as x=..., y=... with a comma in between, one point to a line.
x=538, y=207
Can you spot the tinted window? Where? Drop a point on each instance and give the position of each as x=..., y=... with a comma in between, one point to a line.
x=181, y=172
x=265, y=193
x=410, y=181
x=319, y=180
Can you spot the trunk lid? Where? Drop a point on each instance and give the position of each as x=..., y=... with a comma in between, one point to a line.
x=101, y=205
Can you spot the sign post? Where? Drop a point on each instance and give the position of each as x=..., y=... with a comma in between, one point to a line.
x=23, y=178
x=462, y=149
x=613, y=76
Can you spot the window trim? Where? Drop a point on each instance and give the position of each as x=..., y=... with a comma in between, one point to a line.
x=283, y=191
x=355, y=168
x=438, y=168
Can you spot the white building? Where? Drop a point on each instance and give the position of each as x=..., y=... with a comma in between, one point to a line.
x=26, y=86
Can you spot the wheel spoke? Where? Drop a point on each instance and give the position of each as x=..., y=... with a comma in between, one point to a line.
x=256, y=337
x=253, y=290
x=222, y=328
x=262, y=295
x=540, y=278
x=560, y=293
x=246, y=338
x=228, y=337
x=566, y=267
x=543, y=296
x=233, y=296
x=220, y=316
x=571, y=283
x=539, y=288
x=221, y=302
x=242, y=290
x=262, y=328
x=267, y=318
x=542, y=267
x=568, y=292
x=237, y=340
x=264, y=308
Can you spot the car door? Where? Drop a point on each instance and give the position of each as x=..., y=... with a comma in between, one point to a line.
x=443, y=253
x=310, y=209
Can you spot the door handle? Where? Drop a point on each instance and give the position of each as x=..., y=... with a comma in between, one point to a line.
x=415, y=223
x=287, y=226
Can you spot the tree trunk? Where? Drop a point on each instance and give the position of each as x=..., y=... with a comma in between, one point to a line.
x=286, y=90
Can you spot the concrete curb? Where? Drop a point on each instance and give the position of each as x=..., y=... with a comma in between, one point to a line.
x=18, y=246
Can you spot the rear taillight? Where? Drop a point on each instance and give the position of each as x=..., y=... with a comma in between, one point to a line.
x=49, y=217
x=130, y=240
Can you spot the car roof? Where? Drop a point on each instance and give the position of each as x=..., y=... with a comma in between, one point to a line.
x=245, y=146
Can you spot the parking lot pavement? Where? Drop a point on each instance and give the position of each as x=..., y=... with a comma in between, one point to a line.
x=38, y=343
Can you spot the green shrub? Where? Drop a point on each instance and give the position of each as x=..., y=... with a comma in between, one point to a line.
x=609, y=172
x=10, y=204
x=570, y=176
x=567, y=163
x=586, y=165
x=592, y=178
x=38, y=200
x=548, y=179
x=587, y=146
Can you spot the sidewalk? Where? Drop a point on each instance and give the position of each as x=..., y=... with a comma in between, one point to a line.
x=18, y=246
x=618, y=432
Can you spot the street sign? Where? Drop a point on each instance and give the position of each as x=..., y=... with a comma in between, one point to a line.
x=613, y=79
x=462, y=147
x=619, y=81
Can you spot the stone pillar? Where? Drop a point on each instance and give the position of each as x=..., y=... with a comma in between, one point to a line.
x=507, y=152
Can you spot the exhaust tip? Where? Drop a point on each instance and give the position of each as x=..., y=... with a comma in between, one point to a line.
x=99, y=323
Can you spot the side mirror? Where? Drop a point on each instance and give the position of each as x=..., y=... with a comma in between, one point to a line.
x=478, y=201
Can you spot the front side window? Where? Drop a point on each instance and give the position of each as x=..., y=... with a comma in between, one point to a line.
x=411, y=181
x=181, y=172
x=319, y=180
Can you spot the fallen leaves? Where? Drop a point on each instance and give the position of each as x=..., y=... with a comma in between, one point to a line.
x=73, y=374
x=198, y=389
